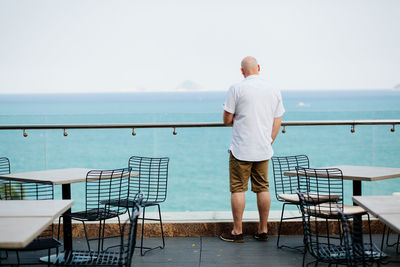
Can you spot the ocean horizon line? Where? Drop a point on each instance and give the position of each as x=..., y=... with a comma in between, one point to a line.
x=190, y=91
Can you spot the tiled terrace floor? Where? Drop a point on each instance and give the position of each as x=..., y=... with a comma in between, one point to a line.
x=210, y=251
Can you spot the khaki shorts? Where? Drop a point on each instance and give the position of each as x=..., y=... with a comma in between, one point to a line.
x=240, y=172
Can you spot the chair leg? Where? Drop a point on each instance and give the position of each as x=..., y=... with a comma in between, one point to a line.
x=340, y=227
x=142, y=234
x=387, y=237
x=383, y=237
x=102, y=235
x=86, y=236
x=327, y=231
x=304, y=257
x=394, y=244
x=129, y=213
x=99, y=237
x=18, y=260
x=48, y=257
x=57, y=252
x=161, y=225
x=369, y=228
x=280, y=225
x=119, y=225
x=299, y=248
x=58, y=230
x=143, y=249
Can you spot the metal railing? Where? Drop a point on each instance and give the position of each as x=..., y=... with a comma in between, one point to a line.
x=174, y=126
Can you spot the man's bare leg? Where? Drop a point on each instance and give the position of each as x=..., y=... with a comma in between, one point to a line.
x=263, y=204
x=238, y=204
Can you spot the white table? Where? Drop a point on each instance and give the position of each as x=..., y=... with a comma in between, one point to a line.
x=56, y=177
x=361, y=173
x=385, y=208
x=62, y=177
x=21, y=221
x=33, y=208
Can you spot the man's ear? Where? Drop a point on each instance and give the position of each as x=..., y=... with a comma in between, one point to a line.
x=242, y=71
x=259, y=68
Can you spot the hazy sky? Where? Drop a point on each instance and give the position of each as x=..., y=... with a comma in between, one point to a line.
x=110, y=46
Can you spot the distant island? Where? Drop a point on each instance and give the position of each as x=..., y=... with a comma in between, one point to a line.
x=189, y=86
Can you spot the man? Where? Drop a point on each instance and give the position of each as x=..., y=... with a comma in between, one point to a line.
x=255, y=112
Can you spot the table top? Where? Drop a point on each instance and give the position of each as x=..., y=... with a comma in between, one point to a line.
x=59, y=176
x=362, y=173
x=379, y=205
x=18, y=232
x=33, y=208
x=21, y=221
x=392, y=220
x=56, y=177
x=385, y=208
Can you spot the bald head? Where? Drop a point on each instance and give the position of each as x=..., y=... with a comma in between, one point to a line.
x=250, y=66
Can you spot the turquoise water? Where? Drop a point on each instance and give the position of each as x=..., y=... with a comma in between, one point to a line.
x=198, y=179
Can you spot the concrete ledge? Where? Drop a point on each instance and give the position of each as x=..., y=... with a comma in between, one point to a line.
x=187, y=224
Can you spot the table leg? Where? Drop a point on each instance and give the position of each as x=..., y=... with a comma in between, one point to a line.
x=67, y=230
x=357, y=191
x=67, y=224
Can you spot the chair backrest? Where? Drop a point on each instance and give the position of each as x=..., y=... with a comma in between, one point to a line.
x=152, y=179
x=15, y=190
x=105, y=186
x=287, y=184
x=323, y=188
x=5, y=165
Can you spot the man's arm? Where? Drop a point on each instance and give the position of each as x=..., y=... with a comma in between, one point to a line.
x=275, y=128
x=228, y=118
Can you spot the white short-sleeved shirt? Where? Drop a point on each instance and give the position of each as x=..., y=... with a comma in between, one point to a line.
x=255, y=106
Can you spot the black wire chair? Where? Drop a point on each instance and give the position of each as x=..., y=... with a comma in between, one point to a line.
x=101, y=187
x=120, y=255
x=324, y=188
x=13, y=190
x=151, y=182
x=319, y=240
x=286, y=186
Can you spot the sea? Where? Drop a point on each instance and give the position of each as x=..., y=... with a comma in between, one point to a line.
x=198, y=171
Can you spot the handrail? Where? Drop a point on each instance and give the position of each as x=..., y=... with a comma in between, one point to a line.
x=185, y=124
x=133, y=126
x=109, y=125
